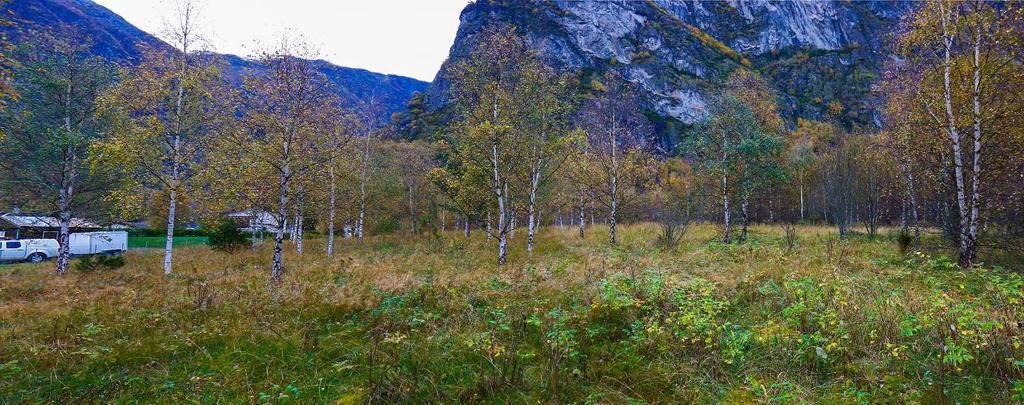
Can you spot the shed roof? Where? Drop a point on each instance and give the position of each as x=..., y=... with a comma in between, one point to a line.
x=40, y=221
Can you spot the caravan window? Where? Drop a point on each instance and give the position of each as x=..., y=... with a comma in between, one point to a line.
x=14, y=245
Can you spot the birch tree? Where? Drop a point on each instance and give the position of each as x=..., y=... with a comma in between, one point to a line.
x=963, y=57
x=168, y=107
x=487, y=90
x=341, y=135
x=50, y=129
x=415, y=160
x=288, y=108
x=547, y=135
x=371, y=123
x=715, y=142
x=617, y=136
x=801, y=156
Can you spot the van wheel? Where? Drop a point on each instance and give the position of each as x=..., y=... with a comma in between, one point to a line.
x=36, y=257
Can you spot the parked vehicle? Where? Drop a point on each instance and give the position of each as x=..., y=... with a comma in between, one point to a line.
x=27, y=250
x=91, y=243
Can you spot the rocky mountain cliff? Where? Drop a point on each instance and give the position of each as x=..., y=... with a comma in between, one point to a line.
x=815, y=52
x=121, y=42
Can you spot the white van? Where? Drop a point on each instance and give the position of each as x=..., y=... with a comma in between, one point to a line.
x=91, y=243
x=27, y=250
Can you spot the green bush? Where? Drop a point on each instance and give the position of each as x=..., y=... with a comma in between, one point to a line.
x=89, y=264
x=387, y=226
x=903, y=241
x=226, y=237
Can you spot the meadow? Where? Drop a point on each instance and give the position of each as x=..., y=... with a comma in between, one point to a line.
x=776, y=319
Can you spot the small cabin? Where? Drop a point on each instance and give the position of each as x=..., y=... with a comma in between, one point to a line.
x=254, y=221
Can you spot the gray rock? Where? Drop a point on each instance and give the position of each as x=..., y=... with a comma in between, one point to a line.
x=678, y=52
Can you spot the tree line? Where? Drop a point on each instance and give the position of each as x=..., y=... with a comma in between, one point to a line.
x=521, y=145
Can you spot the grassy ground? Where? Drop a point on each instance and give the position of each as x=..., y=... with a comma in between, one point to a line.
x=425, y=320
x=157, y=242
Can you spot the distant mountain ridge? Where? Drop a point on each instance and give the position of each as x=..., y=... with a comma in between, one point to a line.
x=119, y=41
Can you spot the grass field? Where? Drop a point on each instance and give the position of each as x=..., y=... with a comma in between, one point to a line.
x=157, y=242
x=426, y=320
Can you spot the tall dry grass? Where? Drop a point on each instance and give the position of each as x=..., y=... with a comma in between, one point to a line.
x=422, y=319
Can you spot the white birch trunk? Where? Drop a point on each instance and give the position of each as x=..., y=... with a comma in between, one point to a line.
x=614, y=178
x=175, y=181
x=277, y=268
x=282, y=212
x=65, y=194
x=293, y=232
x=172, y=208
x=583, y=214
x=298, y=239
x=966, y=248
x=972, y=232
x=172, y=203
x=500, y=191
x=361, y=225
x=531, y=219
x=64, y=206
x=727, y=231
x=332, y=202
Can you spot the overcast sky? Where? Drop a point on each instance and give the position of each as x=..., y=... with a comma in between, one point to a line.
x=405, y=37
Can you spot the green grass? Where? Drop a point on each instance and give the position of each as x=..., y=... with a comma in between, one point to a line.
x=157, y=242
x=398, y=320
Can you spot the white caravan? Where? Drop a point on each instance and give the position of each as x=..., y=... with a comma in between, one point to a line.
x=27, y=250
x=91, y=243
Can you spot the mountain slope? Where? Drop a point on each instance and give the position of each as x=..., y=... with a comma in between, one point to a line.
x=112, y=37
x=679, y=51
x=117, y=40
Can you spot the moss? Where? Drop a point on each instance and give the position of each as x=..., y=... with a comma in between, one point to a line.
x=640, y=56
x=718, y=46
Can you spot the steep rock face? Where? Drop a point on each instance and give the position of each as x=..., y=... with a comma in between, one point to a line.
x=121, y=42
x=678, y=52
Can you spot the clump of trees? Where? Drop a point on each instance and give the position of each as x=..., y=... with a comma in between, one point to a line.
x=954, y=113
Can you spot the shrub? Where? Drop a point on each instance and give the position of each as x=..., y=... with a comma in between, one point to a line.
x=227, y=237
x=387, y=226
x=695, y=319
x=671, y=234
x=791, y=236
x=90, y=264
x=903, y=241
